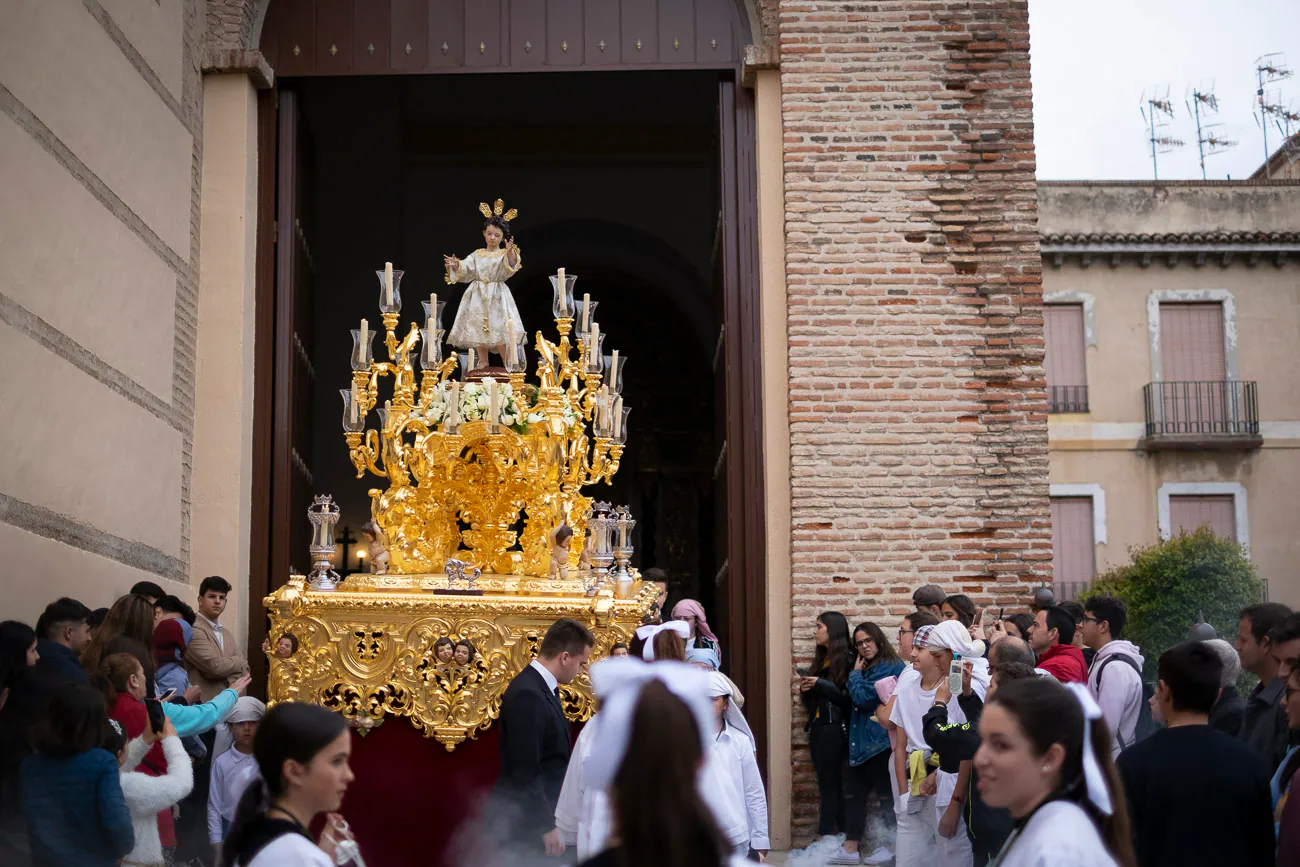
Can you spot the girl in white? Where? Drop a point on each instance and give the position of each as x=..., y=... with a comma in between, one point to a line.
x=302, y=756
x=146, y=795
x=234, y=770
x=927, y=792
x=1045, y=755
x=734, y=766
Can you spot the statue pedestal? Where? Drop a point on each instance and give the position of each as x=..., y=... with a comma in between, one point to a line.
x=366, y=650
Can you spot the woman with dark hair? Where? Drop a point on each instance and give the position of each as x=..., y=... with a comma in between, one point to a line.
x=824, y=691
x=127, y=628
x=72, y=796
x=1018, y=625
x=1045, y=755
x=20, y=700
x=302, y=754
x=660, y=642
x=958, y=607
x=487, y=319
x=658, y=814
x=868, y=741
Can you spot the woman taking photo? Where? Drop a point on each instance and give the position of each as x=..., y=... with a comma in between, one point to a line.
x=302, y=754
x=868, y=742
x=1045, y=755
x=127, y=628
x=825, y=696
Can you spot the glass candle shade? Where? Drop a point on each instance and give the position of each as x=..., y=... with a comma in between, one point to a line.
x=614, y=364
x=390, y=300
x=620, y=424
x=593, y=341
x=432, y=316
x=354, y=420
x=384, y=412
x=363, y=351
x=562, y=288
x=585, y=312
x=519, y=363
x=604, y=420
x=431, y=350
x=466, y=360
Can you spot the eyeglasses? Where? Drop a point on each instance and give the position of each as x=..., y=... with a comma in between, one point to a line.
x=1089, y=619
x=903, y=632
x=863, y=643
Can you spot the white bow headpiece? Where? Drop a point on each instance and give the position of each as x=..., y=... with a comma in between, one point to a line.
x=1093, y=778
x=720, y=684
x=647, y=635
x=618, y=684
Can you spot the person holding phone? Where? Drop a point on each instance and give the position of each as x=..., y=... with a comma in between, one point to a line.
x=825, y=696
x=147, y=794
x=121, y=679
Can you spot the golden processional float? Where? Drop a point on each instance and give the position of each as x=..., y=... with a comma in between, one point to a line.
x=484, y=535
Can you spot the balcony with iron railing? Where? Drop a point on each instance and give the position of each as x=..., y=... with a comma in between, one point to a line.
x=1202, y=415
x=1067, y=398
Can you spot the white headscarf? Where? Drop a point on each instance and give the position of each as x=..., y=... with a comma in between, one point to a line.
x=1093, y=777
x=618, y=684
x=951, y=635
x=720, y=684
x=647, y=635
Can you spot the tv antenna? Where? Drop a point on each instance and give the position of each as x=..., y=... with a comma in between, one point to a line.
x=1210, y=139
x=1156, y=105
x=1269, y=68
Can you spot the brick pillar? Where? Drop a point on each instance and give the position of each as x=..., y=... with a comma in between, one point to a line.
x=918, y=411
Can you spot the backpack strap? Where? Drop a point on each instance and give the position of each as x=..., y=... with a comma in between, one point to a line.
x=1132, y=663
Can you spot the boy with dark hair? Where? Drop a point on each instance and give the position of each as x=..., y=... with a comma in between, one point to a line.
x=1284, y=643
x=1115, y=677
x=61, y=635
x=1265, y=728
x=1195, y=795
x=211, y=658
x=929, y=598
x=1052, y=637
x=149, y=590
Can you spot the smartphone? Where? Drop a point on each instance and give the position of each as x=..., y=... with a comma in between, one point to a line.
x=157, y=719
x=1001, y=613
x=954, y=675
x=168, y=695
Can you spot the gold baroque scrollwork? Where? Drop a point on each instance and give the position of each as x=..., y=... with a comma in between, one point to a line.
x=369, y=654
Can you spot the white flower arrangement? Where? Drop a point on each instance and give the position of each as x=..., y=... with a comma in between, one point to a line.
x=475, y=404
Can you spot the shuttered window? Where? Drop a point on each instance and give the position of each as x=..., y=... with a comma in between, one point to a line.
x=1191, y=343
x=1218, y=512
x=1073, y=546
x=1067, y=372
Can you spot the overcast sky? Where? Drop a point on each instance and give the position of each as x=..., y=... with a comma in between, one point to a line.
x=1092, y=59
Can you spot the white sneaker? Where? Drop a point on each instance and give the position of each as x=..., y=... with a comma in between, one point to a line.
x=880, y=856
x=843, y=857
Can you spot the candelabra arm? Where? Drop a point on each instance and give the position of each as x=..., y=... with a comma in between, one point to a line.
x=372, y=453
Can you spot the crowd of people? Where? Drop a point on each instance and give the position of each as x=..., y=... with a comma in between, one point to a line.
x=1021, y=741
x=1034, y=739
x=125, y=736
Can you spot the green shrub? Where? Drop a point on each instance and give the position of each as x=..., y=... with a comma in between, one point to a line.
x=1169, y=584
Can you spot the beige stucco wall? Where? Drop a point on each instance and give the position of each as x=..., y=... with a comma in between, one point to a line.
x=98, y=263
x=223, y=434
x=776, y=446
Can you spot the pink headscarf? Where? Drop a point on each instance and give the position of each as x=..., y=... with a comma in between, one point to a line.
x=689, y=607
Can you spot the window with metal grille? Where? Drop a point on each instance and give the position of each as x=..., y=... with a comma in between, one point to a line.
x=1188, y=513
x=1073, y=546
x=1067, y=372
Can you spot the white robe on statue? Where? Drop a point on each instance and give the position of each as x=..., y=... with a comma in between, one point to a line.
x=487, y=306
x=1060, y=834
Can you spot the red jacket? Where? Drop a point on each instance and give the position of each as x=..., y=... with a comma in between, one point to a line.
x=1065, y=663
x=130, y=712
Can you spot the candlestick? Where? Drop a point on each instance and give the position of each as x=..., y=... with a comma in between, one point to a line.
x=618, y=417
x=512, y=348
x=615, y=379
x=586, y=311
x=365, y=339
x=388, y=283
x=564, y=294
x=433, y=309
x=492, y=402
x=455, y=403
x=356, y=402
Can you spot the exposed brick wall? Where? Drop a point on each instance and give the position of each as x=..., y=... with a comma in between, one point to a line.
x=917, y=394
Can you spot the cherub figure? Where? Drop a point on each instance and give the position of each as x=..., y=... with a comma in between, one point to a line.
x=444, y=650
x=560, y=539
x=376, y=547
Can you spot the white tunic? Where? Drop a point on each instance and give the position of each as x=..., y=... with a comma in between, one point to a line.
x=1060, y=834
x=487, y=306
x=734, y=770
x=291, y=850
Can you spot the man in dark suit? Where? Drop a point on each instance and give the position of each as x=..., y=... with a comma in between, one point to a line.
x=535, y=739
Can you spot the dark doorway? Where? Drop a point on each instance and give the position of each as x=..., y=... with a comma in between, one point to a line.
x=641, y=183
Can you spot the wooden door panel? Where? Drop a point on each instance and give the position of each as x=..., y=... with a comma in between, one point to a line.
x=371, y=28
x=564, y=33
x=640, y=31
x=297, y=49
x=527, y=33
x=410, y=26
x=676, y=31
x=334, y=37
x=713, y=36
x=483, y=33
x=446, y=33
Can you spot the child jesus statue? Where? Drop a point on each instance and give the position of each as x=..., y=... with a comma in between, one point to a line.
x=488, y=320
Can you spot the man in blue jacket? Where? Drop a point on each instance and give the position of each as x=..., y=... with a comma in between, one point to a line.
x=61, y=634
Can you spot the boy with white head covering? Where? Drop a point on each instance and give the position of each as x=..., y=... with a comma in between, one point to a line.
x=734, y=769
x=928, y=792
x=234, y=769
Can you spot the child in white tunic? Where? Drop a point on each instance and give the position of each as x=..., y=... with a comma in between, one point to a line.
x=732, y=760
